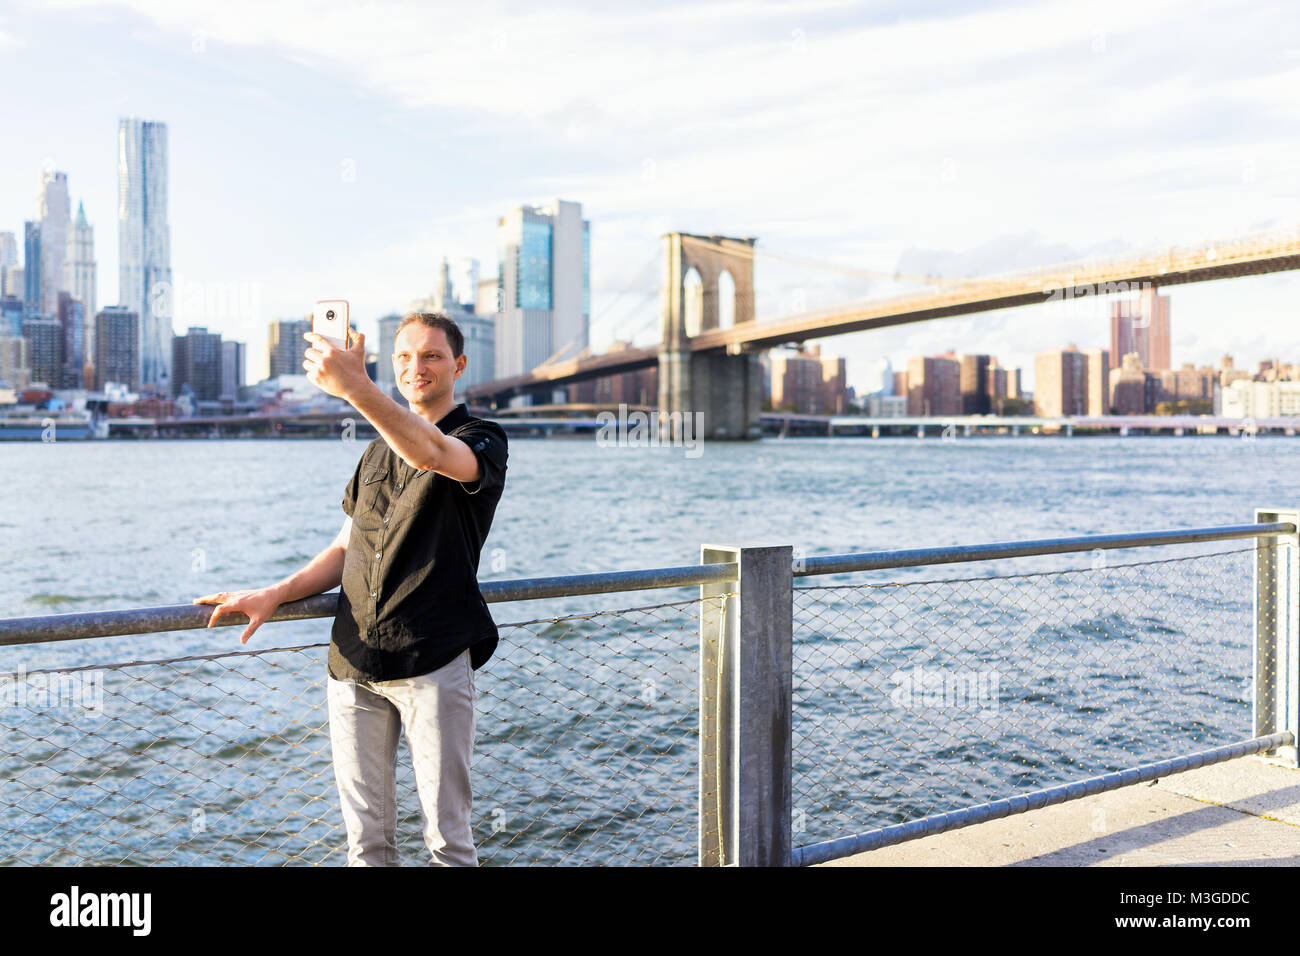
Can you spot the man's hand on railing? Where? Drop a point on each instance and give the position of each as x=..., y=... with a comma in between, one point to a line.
x=258, y=605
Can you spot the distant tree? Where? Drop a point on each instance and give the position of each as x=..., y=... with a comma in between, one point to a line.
x=1187, y=406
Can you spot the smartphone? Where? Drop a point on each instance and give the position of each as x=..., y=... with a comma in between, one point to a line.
x=330, y=321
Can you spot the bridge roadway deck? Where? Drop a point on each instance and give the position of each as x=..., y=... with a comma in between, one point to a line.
x=1245, y=812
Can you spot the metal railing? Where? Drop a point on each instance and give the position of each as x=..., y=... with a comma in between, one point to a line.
x=755, y=722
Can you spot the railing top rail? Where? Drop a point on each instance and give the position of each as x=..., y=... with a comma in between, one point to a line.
x=957, y=554
x=183, y=617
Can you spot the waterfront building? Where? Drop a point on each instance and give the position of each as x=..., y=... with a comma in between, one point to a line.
x=234, y=358
x=1060, y=383
x=15, y=362
x=886, y=406
x=1190, y=383
x=997, y=386
x=286, y=348
x=835, y=386
x=1097, y=379
x=808, y=382
x=72, y=325
x=796, y=382
x=45, y=341
x=974, y=383
x=197, y=362
x=144, y=245
x=1249, y=399
x=933, y=385
x=117, y=348
x=1133, y=390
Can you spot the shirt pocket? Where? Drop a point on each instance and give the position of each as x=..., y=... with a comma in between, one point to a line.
x=372, y=483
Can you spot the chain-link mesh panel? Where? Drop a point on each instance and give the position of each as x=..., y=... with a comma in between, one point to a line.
x=586, y=752
x=921, y=697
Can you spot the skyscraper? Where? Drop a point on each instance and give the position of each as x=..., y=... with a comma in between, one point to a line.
x=144, y=244
x=32, y=268
x=1141, y=326
x=55, y=215
x=544, y=275
x=80, y=275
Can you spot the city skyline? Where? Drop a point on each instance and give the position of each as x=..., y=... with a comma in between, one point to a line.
x=967, y=183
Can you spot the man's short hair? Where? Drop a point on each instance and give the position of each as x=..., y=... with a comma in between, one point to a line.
x=436, y=320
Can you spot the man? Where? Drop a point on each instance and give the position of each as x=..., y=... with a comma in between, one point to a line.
x=412, y=626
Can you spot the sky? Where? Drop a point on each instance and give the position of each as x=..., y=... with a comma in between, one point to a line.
x=341, y=149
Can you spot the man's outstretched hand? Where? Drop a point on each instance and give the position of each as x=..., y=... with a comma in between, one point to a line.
x=258, y=605
x=338, y=372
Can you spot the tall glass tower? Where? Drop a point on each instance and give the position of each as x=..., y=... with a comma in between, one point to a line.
x=144, y=244
x=544, y=275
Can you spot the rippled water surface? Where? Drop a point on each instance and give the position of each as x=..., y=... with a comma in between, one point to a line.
x=587, y=735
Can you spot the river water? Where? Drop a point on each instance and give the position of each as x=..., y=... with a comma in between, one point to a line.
x=915, y=690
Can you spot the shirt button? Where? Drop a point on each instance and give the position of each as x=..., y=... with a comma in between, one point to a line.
x=379, y=554
x=385, y=519
x=374, y=594
x=399, y=486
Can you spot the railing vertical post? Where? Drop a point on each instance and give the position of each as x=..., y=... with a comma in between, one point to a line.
x=1276, y=669
x=746, y=690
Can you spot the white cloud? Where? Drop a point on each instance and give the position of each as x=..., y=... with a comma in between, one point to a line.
x=851, y=143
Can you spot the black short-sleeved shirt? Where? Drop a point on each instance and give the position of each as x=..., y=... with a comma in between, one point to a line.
x=410, y=601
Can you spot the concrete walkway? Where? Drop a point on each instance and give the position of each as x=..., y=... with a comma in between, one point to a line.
x=1245, y=812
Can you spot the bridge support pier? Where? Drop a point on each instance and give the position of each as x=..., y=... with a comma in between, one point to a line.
x=711, y=396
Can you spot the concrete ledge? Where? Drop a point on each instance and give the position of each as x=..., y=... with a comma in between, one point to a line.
x=1245, y=812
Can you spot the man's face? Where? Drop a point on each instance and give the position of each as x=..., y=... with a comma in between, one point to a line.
x=423, y=365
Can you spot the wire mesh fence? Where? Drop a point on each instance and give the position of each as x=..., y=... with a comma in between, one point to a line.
x=585, y=753
x=919, y=697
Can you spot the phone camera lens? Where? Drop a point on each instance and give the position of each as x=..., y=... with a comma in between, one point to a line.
x=329, y=314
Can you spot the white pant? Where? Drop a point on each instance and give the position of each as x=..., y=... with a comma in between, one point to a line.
x=437, y=712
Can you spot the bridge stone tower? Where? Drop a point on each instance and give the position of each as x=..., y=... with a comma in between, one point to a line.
x=724, y=388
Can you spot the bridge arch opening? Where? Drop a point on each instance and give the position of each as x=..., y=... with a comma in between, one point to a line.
x=726, y=300
x=693, y=302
